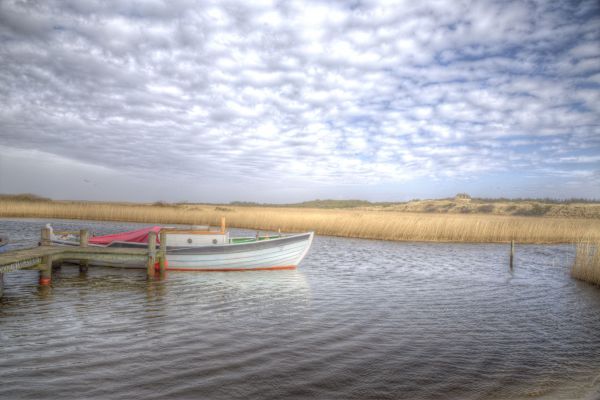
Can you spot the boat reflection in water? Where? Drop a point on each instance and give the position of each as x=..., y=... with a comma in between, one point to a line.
x=192, y=290
x=238, y=292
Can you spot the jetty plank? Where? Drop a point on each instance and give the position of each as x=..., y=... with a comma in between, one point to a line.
x=25, y=258
x=31, y=258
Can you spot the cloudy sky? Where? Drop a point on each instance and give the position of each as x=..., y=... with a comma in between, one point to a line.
x=283, y=101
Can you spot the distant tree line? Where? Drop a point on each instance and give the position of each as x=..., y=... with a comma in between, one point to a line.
x=329, y=203
x=23, y=197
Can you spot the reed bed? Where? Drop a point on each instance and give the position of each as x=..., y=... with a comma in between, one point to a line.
x=383, y=225
x=587, y=263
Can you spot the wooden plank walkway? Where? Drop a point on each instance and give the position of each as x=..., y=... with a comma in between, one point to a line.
x=31, y=258
x=43, y=256
x=25, y=258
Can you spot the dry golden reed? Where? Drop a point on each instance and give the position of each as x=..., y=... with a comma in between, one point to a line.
x=386, y=225
x=587, y=262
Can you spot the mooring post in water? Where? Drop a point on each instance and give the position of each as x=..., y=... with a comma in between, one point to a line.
x=151, y=254
x=46, y=271
x=45, y=237
x=512, y=253
x=84, y=237
x=162, y=253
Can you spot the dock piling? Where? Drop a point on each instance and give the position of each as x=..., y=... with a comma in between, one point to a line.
x=512, y=253
x=162, y=260
x=151, y=254
x=46, y=271
x=84, y=237
x=46, y=239
x=46, y=264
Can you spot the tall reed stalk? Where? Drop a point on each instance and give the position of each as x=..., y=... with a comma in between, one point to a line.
x=386, y=225
x=587, y=263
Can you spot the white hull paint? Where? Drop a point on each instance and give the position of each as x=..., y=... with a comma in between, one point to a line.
x=281, y=253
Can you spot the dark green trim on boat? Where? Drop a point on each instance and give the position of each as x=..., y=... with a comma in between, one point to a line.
x=249, y=240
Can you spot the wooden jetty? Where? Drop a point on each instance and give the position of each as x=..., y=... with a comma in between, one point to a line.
x=42, y=257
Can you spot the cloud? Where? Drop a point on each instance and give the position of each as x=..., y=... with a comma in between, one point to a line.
x=362, y=93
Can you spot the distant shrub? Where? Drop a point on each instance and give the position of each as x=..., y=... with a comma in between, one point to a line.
x=462, y=197
x=318, y=203
x=334, y=204
x=536, y=210
x=486, y=208
x=545, y=200
x=244, y=204
x=224, y=209
x=24, y=197
x=160, y=204
x=448, y=206
x=430, y=208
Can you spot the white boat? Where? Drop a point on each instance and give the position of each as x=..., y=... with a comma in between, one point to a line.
x=209, y=250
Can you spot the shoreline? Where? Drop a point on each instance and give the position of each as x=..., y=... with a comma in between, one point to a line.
x=351, y=223
x=274, y=231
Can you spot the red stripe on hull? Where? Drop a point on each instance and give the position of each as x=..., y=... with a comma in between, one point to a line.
x=233, y=269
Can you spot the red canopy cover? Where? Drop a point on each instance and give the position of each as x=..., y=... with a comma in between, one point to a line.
x=139, y=236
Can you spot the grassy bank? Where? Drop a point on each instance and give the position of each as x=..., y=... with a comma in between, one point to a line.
x=524, y=207
x=359, y=223
x=571, y=208
x=587, y=263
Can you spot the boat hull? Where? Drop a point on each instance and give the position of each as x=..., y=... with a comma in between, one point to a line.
x=280, y=253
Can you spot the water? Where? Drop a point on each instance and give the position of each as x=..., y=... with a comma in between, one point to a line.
x=358, y=320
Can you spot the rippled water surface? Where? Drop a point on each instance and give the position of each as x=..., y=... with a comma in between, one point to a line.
x=359, y=319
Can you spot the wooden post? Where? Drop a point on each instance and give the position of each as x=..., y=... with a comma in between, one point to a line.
x=162, y=260
x=512, y=253
x=46, y=271
x=45, y=237
x=1, y=284
x=222, y=224
x=84, y=236
x=151, y=254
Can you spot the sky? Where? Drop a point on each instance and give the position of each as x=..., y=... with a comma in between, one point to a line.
x=286, y=101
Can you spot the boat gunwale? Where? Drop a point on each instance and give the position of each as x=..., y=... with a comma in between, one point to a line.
x=240, y=247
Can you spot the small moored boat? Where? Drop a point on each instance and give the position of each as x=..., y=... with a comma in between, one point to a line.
x=203, y=249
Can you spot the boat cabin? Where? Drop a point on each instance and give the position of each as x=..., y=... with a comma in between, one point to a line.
x=195, y=238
